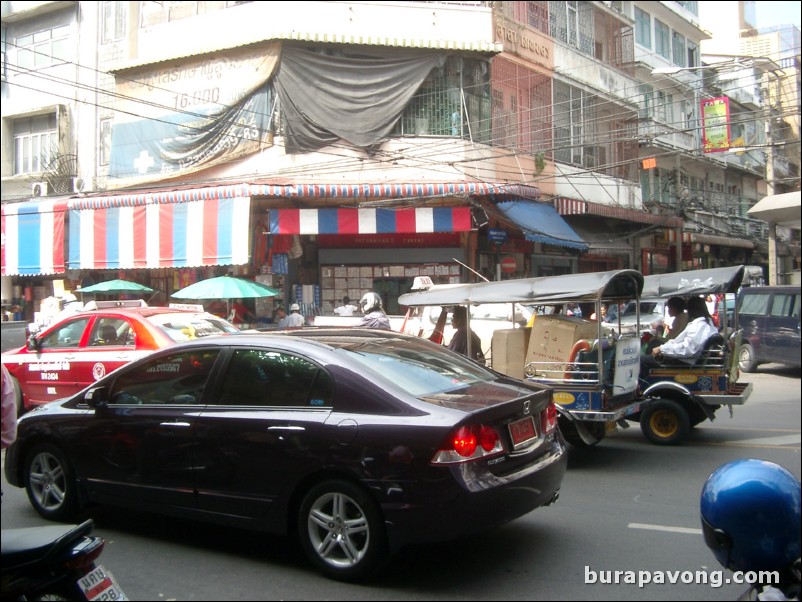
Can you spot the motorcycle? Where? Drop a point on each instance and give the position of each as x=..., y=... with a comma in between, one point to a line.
x=55, y=563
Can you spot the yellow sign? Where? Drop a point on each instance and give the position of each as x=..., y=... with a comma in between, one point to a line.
x=715, y=124
x=686, y=379
x=563, y=398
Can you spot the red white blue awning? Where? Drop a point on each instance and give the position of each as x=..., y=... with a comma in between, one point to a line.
x=33, y=237
x=158, y=231
x=370, y=221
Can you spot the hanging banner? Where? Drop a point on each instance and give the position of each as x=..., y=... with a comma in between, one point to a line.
x=715, y=124
x=192, y=114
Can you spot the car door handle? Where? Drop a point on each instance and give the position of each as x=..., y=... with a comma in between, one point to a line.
x=286, y=428
x=176, y=424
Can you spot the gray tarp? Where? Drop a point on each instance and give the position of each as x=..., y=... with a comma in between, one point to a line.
x=616, y=284
x=325, y=98
x=713, y=281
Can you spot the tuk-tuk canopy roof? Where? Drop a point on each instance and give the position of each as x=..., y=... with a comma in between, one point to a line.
x=569, y=288
x=713, y=281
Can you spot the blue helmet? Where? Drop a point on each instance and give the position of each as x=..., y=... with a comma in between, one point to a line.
x=751, y=516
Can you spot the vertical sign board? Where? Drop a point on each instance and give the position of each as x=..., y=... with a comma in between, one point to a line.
x=715, y=124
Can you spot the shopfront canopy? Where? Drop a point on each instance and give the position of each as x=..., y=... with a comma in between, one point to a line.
x=186, y=228
x=33, y=237
x=541, y=223
x=782, y=209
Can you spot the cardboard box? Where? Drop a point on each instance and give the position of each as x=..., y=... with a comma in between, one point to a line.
x=508, y=351
x=553, y=336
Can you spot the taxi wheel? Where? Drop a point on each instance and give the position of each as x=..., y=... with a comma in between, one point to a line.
x=50, y=484
x=341, y=530
x=664, y=422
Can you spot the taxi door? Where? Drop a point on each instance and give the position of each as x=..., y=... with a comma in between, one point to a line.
x=51, y=370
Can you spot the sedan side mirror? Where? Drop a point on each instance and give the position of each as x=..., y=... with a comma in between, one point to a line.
x=34, y=344
x=96, y=397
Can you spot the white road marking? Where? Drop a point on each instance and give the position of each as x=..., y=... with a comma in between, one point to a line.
x=779, y=440
x=664, y=528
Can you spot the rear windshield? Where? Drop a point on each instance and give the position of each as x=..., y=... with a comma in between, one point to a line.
x=187, y=326
x=414, y=366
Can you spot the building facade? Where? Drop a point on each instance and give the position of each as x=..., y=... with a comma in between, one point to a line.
x=331, y=148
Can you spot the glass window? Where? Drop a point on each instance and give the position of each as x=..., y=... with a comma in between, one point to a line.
x=65, y=336
x=662, y=39
x=35, y=143
x=785, y=305
x=168, y=380
x=754, y=305
x=261, y=377
x=111, y=331
x=114, y=21
x=186, y=326
x=454, y=100
x=678, y=42
x=44, y=48
x=693, y=55
x=643, y=28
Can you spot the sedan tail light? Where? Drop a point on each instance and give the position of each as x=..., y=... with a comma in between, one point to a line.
x=468, y=443
x=548, y=418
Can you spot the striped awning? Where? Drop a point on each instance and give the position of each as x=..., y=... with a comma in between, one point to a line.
x=158, y=231
x=403, y=190
x=370, y=221
x=566, y=206
x=33, y=237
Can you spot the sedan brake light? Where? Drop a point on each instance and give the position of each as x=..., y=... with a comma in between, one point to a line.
x=548, y=418
x=468, y=443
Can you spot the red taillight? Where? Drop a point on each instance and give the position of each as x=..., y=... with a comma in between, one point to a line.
x=488, y=438
x=548, y=418
x=469, y=443
x=86, y=555
x=464, y=442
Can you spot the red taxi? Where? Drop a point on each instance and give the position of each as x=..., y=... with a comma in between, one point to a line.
x=83, y=347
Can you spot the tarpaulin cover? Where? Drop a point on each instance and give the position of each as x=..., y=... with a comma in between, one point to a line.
x=325, y=98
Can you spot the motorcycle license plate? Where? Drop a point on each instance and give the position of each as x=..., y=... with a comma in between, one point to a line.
x=101, y=585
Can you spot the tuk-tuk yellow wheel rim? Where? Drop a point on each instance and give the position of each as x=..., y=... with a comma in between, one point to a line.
x=664, y=423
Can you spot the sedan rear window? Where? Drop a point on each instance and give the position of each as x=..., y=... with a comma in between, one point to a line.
x=417, y=367
x=186, y=326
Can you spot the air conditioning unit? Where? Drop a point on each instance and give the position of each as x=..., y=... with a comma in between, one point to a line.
x=79, y=184
x=39, y=189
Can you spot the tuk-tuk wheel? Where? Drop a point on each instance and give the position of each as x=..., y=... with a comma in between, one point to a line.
x=570, y=434
x=664, y=422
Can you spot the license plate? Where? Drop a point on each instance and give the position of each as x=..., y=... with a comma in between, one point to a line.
x=522, y=431
x=100, y=585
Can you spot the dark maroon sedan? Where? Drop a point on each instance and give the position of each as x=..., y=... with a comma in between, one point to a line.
x=359, y=441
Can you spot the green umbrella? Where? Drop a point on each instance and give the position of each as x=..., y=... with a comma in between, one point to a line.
x=111, y=287
x=225, y=287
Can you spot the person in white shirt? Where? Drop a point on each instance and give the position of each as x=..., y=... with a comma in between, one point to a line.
x=687, y=344
x=347, y=308
x=295, y=319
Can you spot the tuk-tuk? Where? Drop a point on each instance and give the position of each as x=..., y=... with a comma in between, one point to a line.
x=683, y=396
x=592, y=370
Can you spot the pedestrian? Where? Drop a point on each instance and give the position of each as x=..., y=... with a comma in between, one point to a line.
x=240, y=314
x=281, y=317
x=9, y=406
x=295, y=319
x=374, y=317
x=459, y=342
x=687, y=344
x=347, y=308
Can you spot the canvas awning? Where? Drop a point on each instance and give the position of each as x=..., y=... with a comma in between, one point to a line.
x=370, y=221
x=33, y=237
x=540, y=223
x=781, y=209
x=184, y=228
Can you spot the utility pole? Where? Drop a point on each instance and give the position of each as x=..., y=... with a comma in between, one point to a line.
x=773, y=275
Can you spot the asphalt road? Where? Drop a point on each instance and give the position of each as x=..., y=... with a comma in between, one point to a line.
x=626, y=505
